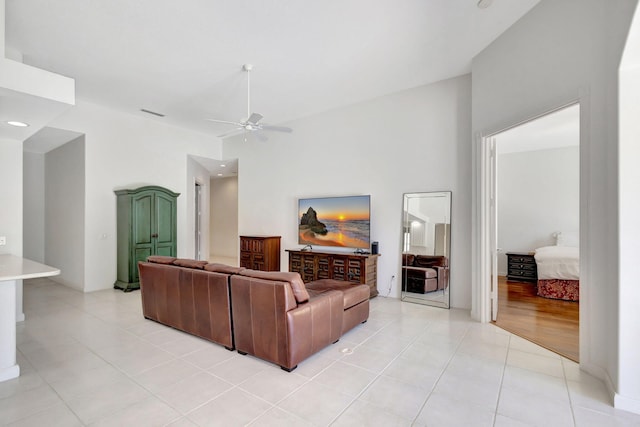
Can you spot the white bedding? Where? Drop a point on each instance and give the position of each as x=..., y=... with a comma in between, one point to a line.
x=558, y=262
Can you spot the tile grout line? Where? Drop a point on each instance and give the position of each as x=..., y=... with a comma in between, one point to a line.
x=504, y=369
x=566, y=384
x=435, y=384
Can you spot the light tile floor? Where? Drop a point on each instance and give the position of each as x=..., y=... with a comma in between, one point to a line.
x=92, y=359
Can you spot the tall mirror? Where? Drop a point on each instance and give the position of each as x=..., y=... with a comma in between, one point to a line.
x=426, y=248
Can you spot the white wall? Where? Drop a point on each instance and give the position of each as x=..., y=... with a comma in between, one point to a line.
x=33, y=203
x=412, y=141
x=629, y=178
x=224, y=217
x=64, y=212
x=196, y=173
x=562, y=51
x=129, y=151
x=11, y=196
x=538, y=195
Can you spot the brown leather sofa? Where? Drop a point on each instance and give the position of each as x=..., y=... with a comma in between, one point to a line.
x=276, y=319
x=187, y=295
x=271, y=315
x=424, y=273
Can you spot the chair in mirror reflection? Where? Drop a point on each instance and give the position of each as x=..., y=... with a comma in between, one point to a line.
x=426, y=248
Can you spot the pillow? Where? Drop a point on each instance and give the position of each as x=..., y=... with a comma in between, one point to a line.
x=568, y=238
x=190, y=263
x=407, y=259
x=294, y=279
x=159, y=259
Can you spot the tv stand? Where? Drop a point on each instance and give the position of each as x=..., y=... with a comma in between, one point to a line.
x=352, y=267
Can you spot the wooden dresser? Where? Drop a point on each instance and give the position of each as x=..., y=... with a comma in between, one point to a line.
x=521, y=266
x=260, y=252
x=352, y=267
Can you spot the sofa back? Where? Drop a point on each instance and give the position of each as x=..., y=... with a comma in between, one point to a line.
x=187, y=298
x=425, y=261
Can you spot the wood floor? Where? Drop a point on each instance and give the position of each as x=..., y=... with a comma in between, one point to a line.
x=553, y=324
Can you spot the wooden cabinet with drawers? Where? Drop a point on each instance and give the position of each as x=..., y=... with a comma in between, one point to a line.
x=521, y=266
x=350, y=267
x=260, y=252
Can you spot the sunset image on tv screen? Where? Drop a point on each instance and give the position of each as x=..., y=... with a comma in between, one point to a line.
x=334, y=221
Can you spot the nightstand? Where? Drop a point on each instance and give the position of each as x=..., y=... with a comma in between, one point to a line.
x=521, y=266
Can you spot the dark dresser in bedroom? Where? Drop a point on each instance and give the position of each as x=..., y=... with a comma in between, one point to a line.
x=521, y=266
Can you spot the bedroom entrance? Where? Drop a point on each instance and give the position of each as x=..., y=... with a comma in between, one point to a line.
x=535, y=229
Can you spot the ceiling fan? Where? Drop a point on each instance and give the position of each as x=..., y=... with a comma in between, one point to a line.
x=252, y=122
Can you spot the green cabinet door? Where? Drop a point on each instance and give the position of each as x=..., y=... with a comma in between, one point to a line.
x=165, y=225
x=147, y=225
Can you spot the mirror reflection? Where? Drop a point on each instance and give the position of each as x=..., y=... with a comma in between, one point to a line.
x=426, y=248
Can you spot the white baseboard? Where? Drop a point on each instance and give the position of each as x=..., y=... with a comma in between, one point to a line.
x=629, y=404
x=624, y=403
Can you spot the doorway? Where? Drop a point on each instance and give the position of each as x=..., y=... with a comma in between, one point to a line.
x=534, y=208
x=224, y=239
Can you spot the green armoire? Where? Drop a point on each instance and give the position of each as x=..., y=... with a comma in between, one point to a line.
x=146, y=226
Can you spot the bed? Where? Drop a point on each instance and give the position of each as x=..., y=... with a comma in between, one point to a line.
x=559, y=270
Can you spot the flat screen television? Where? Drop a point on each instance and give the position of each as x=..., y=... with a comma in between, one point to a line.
x=335, y=221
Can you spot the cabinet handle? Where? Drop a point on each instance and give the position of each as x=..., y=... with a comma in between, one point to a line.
x=154, y=235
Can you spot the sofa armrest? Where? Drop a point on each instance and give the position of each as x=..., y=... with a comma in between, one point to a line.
x=443, y=277
x=314, y=325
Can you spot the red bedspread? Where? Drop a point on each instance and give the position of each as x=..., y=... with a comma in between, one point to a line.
x=559, y=289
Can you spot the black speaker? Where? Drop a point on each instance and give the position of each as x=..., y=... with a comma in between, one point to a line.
x=374, y=248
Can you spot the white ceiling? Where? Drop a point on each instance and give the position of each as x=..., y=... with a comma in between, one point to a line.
x=183, y=59
x=48, y=138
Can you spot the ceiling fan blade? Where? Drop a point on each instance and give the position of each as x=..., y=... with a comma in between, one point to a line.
x=224, y=121
x=276, y=128
x=254, y=118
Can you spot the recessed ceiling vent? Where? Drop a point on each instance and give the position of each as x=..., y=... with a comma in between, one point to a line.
x=483, y=4
x=144, y=110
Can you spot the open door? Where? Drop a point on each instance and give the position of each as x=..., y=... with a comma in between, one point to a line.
x=493, y=227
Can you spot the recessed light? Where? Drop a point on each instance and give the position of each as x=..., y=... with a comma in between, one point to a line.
x=17, y=124
x=219, y=174
x=223, y=166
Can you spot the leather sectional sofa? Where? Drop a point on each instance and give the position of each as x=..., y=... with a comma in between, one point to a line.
x=270, y=315
x=424, y=273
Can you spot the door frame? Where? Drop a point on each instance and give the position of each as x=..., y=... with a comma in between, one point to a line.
x=198, y=187
x=487, y=236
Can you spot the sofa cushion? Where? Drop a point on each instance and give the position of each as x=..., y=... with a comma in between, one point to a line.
x=160, y=259
x=223, y=268
x=421, y=272
x=352, y=293
x=190, y=263
x=294, y=279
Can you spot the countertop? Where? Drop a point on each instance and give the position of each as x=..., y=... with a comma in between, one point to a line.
x=15, y=268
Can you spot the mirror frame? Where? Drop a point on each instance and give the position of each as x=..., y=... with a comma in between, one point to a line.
x=413, y=297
